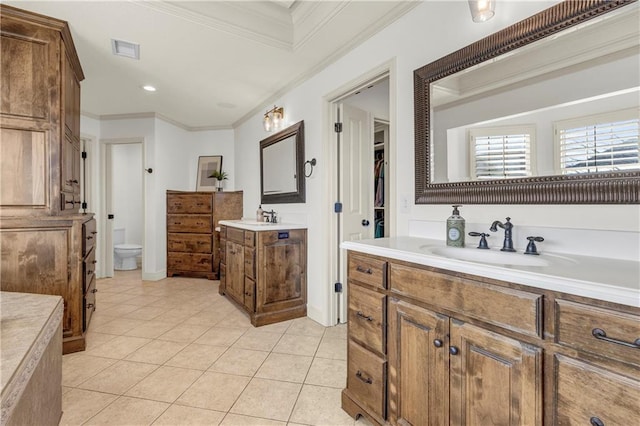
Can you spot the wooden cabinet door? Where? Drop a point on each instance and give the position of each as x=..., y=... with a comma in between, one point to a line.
x=234, y=286
x=494, y=380
x=418, y=369
x=70, y=172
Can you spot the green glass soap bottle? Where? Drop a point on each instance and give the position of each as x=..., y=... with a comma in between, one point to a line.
x=455, y=228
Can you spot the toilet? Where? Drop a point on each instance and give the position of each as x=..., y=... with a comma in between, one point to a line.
x=124, y=255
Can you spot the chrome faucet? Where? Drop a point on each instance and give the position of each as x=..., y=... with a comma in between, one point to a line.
x=271, y=216
x=507, y=226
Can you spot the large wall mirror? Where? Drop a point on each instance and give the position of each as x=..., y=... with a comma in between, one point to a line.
x=281, y=166
x=546, y=111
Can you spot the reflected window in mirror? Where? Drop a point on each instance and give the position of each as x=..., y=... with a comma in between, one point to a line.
x=281, y=166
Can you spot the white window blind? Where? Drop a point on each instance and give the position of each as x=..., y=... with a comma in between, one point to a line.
x=499, y=153
x=599, y=143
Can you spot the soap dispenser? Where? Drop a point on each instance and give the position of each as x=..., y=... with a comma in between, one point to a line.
x=260, y=214
x=455, y=229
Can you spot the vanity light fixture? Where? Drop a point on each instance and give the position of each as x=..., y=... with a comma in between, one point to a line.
x=149, y=88
x=482, y=10
x=273, y=118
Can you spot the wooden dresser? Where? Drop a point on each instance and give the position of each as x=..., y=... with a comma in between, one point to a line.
x=265, y=272
x=192, y=244
x=46, y=244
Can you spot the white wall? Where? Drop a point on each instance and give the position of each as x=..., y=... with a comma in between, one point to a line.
x=127, y=175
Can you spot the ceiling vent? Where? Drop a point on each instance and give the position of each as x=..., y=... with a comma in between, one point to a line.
x=125, y=48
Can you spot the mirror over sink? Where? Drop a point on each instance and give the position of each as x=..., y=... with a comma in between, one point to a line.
x=281, y=166
x=497, y=122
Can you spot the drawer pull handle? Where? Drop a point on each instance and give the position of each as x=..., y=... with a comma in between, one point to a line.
x=363, y=270
x=453, y=350
x=95, y=290
x=177, y=223
x=90, y=305
x=89, y=272
x=366, y=380
x=596, y=421
x=363, y=316
x=437, y=343
x=94, y=261
x=94, y=232
x=600, y=334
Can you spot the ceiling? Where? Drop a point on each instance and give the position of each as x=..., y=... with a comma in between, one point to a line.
x=214, y=63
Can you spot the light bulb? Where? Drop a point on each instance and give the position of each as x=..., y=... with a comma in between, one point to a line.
x=266, y=122
x=482, y=10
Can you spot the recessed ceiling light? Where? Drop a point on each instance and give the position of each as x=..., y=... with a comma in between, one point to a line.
x=125, y=48
x=149, y=88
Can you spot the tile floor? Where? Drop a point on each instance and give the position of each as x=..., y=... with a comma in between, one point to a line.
x=174, y=352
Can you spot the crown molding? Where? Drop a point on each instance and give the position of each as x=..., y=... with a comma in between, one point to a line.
x=154, y=115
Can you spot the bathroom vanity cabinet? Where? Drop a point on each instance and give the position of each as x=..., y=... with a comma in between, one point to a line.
x=265, y=272
x=192, y=246
x=428, y=346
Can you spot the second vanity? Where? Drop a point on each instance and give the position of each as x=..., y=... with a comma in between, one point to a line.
x=439, y=337
x=263, y=269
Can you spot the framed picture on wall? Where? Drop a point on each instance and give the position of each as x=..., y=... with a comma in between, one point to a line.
x=206, y=166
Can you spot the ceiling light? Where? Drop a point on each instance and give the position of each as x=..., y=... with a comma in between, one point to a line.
x=125, y=48
x=149, y=88
x=482, y=10
x=273, y=118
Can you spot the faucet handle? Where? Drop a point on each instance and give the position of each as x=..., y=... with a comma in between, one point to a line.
x=483, y=239
x=531, y=247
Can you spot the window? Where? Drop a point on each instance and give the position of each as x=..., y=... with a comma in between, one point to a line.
x=501, y=152
x=598, y=143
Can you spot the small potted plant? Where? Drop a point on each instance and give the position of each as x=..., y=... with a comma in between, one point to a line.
x=220, y=176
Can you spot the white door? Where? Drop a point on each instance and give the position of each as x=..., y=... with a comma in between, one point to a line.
x=356, y=184
x=108, y=203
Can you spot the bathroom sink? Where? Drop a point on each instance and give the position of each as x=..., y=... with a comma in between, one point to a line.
x=253, y=222
x=492, y=256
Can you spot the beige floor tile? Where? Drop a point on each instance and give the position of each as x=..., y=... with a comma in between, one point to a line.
x=119, y=347
x=318, y=405
x=150, y=329
x=98, y=319
x=145, y=313
x=218, y=336
x=121, y=308
x=186, y=333
x=362, y=421
x=336, y=332
x=118, y=326
x=258, y=340
x=285, y=367
x=297, y=345
x=79, y=405
x=141, y=300
x=209, y=318
x=182, y=415
x=79, y=367
x=327, y=372
x=66, y=389
x=93, y=339
x=118, y=378
x=234, y=319
x=164, y=384
x=156, y=352
x=305, y=327
x=269, y=399
x=239, y=420
x=332, y=348
x=214, y=391
x=130, y=412
x=277, y=327
x=243, y=362
x=197, y=357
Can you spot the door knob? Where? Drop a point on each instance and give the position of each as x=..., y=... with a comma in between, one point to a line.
x=365, y=222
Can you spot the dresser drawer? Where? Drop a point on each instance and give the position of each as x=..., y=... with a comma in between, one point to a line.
x=368, y=270
x=577, y=325
x=586, y=392
x=189, y=203
x=189, y=243
x=189, y=223
x=367, y=317
x=235, y=235
x=366, y=378
x=250, y=262
x=88, y=236
x=89, y=303
x=190, y=262
x=89, y=270
x=249, y=238
x=515, y=310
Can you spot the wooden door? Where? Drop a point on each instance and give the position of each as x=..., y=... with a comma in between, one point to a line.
x=234, y=286
x=494, y=380
x=418, y=369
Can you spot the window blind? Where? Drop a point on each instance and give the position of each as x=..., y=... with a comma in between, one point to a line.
x=500, y=156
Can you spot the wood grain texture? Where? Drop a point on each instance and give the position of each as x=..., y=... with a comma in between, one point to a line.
x=24, y=178
x=367, y=378
x=367, y=270
x=367, y=317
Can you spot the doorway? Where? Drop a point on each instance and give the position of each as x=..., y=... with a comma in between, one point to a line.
x=361, y=108
x=122, y=206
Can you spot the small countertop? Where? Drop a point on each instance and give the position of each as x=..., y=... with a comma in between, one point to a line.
x=28, y=322
x=611, y=280
x=252, y=225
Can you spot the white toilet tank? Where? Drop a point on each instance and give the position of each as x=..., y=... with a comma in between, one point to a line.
x=118, y=236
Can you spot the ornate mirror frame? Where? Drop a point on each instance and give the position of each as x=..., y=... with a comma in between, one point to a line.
x=594, y=188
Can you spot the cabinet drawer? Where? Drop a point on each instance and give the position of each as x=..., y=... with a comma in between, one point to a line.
x=189, y=223
x=189, y=203
x=89, y=270
x=189, y=262
x=249, y=238
x=235, y=235
x=366, y=378
x=368, y=270
x=367, y=317
x=190, y=243
x=249, y=294
x=586, y=392
x=88, y=236
x=250, y=262
x=515, y=310
x=89, y=304
x=577, y=325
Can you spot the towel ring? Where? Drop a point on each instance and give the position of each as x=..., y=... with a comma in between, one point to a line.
x=311, y=162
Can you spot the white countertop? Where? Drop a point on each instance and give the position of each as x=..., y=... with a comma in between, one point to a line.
x=612, y=280
x=252, y=225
